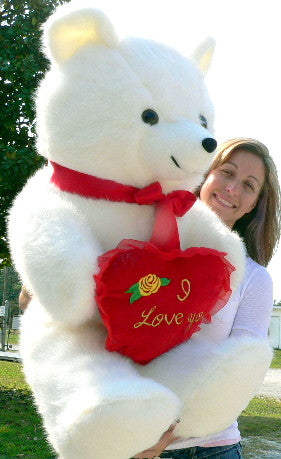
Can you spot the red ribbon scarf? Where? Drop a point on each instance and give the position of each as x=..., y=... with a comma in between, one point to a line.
x=168, y=206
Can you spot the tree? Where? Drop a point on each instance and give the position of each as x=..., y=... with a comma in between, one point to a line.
x=10, y=286
x=22, y=65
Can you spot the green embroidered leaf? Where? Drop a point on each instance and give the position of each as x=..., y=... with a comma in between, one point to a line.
x=165, y=281
x=136, y=296
x=133, y=288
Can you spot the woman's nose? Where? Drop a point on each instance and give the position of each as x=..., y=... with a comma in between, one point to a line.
x=233, y=187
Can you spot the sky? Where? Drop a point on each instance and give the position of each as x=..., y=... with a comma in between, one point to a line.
x=245, y=76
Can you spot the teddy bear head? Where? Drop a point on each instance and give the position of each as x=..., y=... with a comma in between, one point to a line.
x=134, y=111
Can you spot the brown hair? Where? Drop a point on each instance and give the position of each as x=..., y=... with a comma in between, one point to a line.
x=260, y=228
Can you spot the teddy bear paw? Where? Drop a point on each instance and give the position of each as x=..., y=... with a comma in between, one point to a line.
x=132, y=423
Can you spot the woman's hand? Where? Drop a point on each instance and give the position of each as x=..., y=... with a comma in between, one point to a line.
x=157, y=449
x=24, y=298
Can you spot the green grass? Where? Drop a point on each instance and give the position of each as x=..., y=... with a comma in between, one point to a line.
x=12, y=377
x=276, y=362
x=21, y=432
x=262, y=418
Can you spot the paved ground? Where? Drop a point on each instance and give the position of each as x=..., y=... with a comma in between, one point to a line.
x=260, y=448
x=10, y=355
x=272, y=384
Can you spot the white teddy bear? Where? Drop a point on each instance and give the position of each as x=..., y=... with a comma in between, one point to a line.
x=133, y=112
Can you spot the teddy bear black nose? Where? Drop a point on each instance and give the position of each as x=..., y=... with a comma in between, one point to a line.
x=209, y=144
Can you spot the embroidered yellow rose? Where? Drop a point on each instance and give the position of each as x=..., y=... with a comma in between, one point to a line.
x=146, y=286
x=149, y=284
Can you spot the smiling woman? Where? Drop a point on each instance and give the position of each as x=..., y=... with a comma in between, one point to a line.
x=242, y=188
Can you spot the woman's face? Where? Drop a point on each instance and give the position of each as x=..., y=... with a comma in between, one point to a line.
x=232, y=190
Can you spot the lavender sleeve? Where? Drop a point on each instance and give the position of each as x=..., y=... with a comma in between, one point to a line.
x=256, y=303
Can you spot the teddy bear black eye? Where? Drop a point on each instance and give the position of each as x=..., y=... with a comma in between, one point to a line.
x=149, y=116
x=203, y=120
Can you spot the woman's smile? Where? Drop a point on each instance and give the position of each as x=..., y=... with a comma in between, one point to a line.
x=223, y=201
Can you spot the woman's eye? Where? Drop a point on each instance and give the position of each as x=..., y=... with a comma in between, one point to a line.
x=250, y=185
x=226, y=172
x=203, y=121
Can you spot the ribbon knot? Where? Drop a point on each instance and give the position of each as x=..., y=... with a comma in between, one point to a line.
x=165, y=233
x=180, y=200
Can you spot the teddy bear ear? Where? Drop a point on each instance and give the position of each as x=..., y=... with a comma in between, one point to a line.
x=69, y=29
x=203, y=54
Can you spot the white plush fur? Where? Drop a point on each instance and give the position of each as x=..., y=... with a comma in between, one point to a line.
x=97, y=404
x=214, y=381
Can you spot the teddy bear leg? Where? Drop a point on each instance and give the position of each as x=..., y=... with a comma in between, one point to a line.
x=94, y=403
x=114, y=421
x=120, y=428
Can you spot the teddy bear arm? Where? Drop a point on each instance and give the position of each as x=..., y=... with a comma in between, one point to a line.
x=237, y=372
x=56, y=256
x=215, y=382
x=192, y=228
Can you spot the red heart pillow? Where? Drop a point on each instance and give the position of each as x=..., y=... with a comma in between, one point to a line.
x=151, y=300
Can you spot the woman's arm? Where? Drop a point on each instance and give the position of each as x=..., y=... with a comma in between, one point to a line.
x=255, y=307
x=155, y=451
x=237, y=365
x=216, y=381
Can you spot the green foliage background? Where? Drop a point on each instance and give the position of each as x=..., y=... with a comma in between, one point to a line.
x=13, y=287
x=22, y=65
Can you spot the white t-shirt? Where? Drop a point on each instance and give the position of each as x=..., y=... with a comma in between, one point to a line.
x=247, y=312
